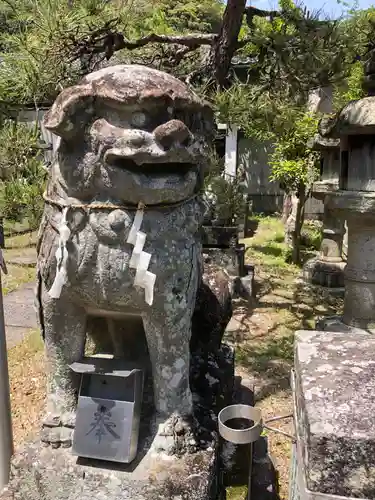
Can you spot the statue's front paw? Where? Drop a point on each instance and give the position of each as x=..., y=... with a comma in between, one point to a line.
x=176, y=435
x=57, y=436
x=57, y=429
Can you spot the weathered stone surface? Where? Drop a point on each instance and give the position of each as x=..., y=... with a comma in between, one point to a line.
x=324, y=273
x=359, y=308
x=44, y=473
x=213, y=308
x=336, y=324
x=40, y=473
x=357, y=117
x=120, y=86
x=19, y=307
x=320, y=143
x=322, y=188
x=129, y=135
x=327, y=269
x=26, y=260
x=335, y=383
x=219, y=236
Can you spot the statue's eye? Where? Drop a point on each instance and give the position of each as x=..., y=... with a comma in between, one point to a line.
x=139, y=119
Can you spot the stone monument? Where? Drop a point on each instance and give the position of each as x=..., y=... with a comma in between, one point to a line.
x=327, y=269
x=119, y=256
x=355, y=203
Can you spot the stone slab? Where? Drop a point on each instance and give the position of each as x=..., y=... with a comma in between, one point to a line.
x=23, y=260
x=307, y=287
x=334, y=388
x=15, y=335
x=219, y=236
x=336, y=324
x=19, y=307
x=44, y=473
x=324, y=273
x=19, y=314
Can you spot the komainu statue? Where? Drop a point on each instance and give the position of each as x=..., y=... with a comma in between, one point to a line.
x=119, y=236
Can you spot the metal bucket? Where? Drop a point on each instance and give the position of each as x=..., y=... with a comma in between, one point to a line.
x=248, y=435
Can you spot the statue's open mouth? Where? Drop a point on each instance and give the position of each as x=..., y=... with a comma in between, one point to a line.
x=153, y=169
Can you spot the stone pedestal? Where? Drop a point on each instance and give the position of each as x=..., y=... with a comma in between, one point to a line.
x=334, y=383
x=327, y=269
x=44, y=473
x=359, y=306
x=40, y=473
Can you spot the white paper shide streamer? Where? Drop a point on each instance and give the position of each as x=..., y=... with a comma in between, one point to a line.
x=61, y=257
x=140, y=260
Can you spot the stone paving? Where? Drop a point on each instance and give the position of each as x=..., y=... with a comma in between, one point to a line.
x=19, y=314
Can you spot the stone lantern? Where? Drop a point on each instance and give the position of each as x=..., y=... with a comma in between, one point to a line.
x=327, y=269
x=333, y=380
x=355, y=202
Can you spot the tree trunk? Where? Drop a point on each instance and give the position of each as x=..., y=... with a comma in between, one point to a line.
x=225, y=44
x=287, y=207
x=293, y=226
x=290, y=225
x=300, y=215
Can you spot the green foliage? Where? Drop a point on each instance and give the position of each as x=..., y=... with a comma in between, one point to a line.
x=297, y=50
x=293, y=163
x=181, y=16
x=272, y=116
x=311, y=235
x=351, y=88
x=225, y=194
x=38, y=37
x=18, y=143
x=22, y=174
x=261, y=113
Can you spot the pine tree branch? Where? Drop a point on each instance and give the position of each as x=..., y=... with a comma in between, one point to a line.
x=193, y=41
x=107, y=40
x=251, y=12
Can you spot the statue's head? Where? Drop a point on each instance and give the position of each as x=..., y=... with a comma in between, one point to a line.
x=130, y=133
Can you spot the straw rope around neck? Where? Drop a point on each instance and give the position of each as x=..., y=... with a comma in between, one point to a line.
x=115, y=206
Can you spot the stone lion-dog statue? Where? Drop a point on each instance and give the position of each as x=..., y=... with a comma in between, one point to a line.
x=120, y=232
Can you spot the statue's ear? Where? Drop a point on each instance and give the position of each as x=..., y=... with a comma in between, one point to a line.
x=71, y=110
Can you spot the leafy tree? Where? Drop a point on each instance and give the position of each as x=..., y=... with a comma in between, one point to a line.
x=274, y=106
x=295, y=166
x=48, y=44
x=22, y=176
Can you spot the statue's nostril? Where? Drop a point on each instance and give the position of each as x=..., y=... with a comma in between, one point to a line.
x=137, y=141
x=172, y=132
x=166, y=142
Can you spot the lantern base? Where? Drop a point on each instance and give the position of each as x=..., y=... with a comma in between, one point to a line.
x=324, y=273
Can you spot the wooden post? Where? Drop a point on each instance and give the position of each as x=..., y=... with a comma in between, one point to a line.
x=6, y=433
